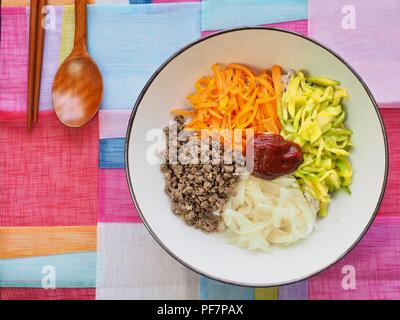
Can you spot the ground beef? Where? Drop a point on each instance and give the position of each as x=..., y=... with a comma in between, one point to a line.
x=198, y=191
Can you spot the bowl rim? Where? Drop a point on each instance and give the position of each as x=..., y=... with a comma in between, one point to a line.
x=130, y=126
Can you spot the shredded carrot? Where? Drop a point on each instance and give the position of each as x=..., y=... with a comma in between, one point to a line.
x=242, y=68
x=276, y=78
x=267, y=85
x=182, y=112
x=269, y=110
x=234, y=97
x=270, y=126
x=216, y=114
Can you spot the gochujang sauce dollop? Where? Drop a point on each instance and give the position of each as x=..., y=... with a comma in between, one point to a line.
x=274, y=156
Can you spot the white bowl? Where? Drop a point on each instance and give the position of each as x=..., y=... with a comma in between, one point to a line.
x=208, y=254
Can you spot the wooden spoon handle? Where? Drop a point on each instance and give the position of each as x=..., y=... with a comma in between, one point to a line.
x=80, y=27
x=39, y=59
x=32, y=60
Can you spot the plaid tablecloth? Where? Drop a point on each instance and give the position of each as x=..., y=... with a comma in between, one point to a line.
x=68, y=228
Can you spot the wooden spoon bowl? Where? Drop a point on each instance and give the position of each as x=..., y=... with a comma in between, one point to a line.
x=78, y=85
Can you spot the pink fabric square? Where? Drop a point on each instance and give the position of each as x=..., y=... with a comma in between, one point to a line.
x=13, y=59
x=299, y=26
x=391, y=200
x=47, y=294
x=367, y=35
x=174, y=1
x=373, y=265
x=50, y=176
x=115, y=203
x=113, y=123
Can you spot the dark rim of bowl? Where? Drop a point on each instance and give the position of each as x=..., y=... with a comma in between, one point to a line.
x=128, y=135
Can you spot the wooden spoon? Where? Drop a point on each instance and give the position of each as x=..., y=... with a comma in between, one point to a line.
x=78, y=85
